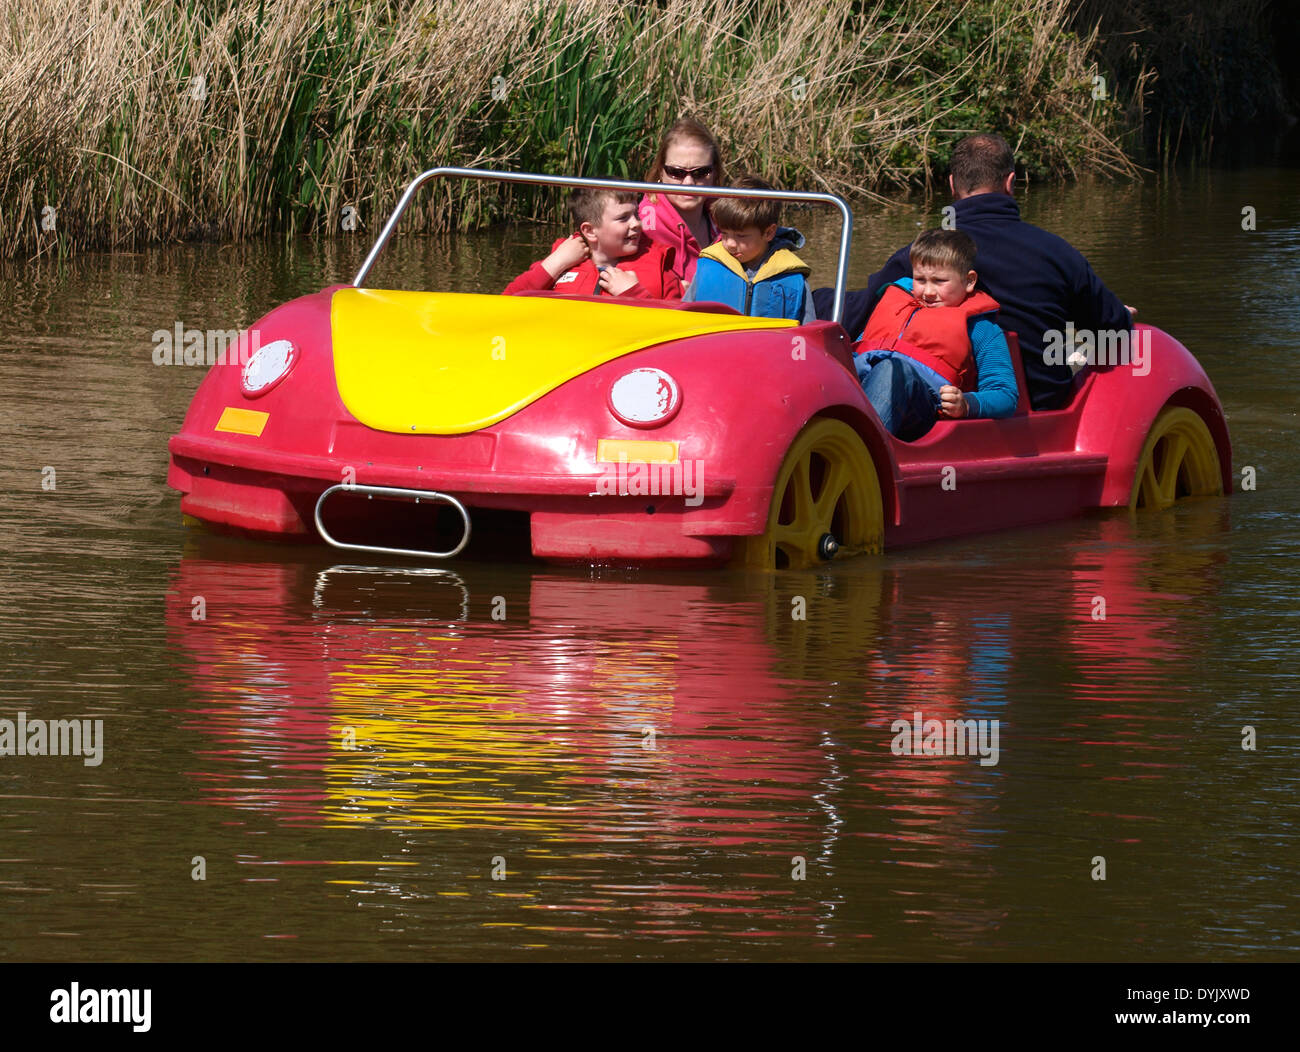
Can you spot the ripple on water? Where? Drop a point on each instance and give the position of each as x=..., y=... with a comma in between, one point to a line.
x=364, y=763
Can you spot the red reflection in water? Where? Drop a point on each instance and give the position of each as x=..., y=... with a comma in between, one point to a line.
x=658, y=718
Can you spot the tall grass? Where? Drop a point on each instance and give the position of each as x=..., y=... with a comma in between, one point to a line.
x=171, y=119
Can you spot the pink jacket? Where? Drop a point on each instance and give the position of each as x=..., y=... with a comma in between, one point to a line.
x=661, y=222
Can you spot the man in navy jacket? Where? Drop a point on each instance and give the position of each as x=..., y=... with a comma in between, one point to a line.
x=1040, y=281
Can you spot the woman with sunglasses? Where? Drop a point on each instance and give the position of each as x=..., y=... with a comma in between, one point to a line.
x=687, y=155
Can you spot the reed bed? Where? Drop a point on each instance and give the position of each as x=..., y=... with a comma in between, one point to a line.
x=124, y=123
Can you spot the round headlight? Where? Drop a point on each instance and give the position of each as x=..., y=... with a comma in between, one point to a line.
x=268, y=367
x=645, y=398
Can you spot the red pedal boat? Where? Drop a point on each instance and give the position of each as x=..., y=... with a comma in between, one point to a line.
x=647, y=432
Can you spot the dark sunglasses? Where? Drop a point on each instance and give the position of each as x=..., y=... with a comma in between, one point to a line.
x=702, y=172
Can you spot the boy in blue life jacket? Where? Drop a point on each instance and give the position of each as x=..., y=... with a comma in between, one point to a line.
x=931, y=347
x=752, y=266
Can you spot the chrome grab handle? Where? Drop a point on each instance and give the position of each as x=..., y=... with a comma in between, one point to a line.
x=393, y=491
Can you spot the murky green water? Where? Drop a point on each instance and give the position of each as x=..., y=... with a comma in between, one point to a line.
x=650, y=759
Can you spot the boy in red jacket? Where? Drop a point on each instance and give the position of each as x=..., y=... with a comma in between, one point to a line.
x=931, y=347
x=607, y=256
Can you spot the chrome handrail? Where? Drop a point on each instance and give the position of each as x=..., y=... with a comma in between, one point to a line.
x=846, y=228
x=433, y=496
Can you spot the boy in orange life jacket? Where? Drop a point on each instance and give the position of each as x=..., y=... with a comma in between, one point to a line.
x=931, y=347
x=608, y=254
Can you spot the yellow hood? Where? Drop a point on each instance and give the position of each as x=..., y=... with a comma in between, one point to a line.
x=443, y=363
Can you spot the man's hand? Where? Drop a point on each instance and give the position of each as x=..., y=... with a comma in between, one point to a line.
x=952, y=403
x=1132, y=310
x=570, y=252
x=615, y=281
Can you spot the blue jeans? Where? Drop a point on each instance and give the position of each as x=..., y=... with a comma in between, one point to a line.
x=906, y=404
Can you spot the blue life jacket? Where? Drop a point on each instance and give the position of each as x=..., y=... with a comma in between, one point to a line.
x=776, y=290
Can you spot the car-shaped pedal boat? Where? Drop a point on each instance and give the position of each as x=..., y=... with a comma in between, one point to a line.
x=621, y=431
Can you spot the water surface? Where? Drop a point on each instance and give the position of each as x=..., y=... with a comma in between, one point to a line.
x=650, y=759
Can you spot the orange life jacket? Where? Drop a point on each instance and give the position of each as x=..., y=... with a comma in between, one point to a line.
x=935, y=336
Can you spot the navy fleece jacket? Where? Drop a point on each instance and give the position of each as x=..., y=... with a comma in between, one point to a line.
x=1040, y=282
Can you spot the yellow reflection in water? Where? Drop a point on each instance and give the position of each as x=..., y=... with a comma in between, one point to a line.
x=453, y=731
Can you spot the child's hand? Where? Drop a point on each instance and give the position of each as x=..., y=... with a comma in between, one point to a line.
x=571, y=251
x=952, y=403
x=615, y=281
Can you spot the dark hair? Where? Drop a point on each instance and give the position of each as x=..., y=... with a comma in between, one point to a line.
x=981, y=162
x=737, y=213
x=944, y=248
x=687, y=128
x=587, y=204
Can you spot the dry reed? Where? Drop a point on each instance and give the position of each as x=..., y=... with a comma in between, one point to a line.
x=123, y=123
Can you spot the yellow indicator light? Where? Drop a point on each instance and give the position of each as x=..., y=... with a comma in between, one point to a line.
x=613, y=450
x=242, y=421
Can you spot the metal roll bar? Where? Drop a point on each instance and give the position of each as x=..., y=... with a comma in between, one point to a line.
x=846, y=227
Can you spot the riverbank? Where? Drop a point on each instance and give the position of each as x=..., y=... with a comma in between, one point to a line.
x=123, y=125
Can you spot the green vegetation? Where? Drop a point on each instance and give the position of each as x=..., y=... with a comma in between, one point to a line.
x=170, y=119
x=1187, y=74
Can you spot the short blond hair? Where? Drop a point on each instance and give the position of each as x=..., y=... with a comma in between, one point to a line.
x=944, y=248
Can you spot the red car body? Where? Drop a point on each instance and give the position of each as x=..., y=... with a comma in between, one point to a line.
x=751, y=404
